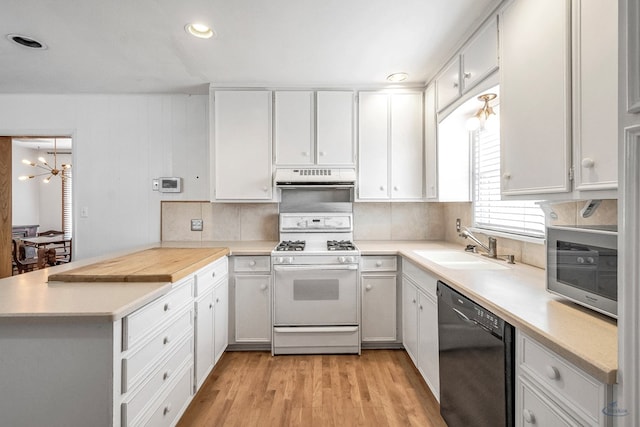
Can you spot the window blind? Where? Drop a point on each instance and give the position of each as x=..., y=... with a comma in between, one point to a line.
x=489, y=211
x=67, y=211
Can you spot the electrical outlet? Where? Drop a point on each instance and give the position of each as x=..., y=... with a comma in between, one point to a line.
x=458, y=225
x=155, y=184
x=196, y=225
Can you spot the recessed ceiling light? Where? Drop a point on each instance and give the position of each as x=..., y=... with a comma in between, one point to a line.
x=397, y=77
x=26, y=41
x=200, y=30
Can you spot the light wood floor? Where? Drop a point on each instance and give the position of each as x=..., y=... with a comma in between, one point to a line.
x=378, y=388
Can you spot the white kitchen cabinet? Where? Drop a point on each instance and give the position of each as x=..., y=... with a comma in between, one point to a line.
x=448, y=83
x=390, y=146
x=211, y=317
x=241, y=151
x=430, y=143
x=480, y=55
x=334, y=133
x=378, y=287
x=314, y=128
x=252, y=299
x=535, y=105
x=420, y=323
x=293, y=123
x=552, y=391
x=595, y=94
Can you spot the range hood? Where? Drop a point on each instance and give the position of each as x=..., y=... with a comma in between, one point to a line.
x=315, y=177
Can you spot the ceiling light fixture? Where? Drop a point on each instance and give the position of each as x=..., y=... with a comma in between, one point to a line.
x=485, y=116
x=199, y=30
x=26, y=41
x=50, y=171
x=397, y=77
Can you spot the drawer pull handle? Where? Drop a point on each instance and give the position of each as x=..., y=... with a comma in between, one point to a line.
x=213, y=274
x=528, y=416
x=165, y=341
x=167, y=307
x=368, y=287
x=263, y=287
x=552, y=372
x=166, y=409
x=378, y=263
x=166, y=375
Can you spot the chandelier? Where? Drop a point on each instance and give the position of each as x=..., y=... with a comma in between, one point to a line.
x=49, y=171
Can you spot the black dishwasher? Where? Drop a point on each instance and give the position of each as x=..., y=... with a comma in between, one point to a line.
x=476, y=352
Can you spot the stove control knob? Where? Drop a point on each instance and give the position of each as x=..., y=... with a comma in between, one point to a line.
x=279, y=260
x=351, y=259
x=342, y=259
x=580, y=260
x=289, y=260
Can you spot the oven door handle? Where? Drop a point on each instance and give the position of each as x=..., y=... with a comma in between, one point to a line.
x=314, y=267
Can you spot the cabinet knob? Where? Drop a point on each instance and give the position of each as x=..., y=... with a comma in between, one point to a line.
x=213, y=274
x=455, y=84
x=252, y=263
x=322, y=153
x=588, y=162
x=166, y=409
x=166, y=375
x=552, y=372
x=378, y=263
x=165, y=341
x=265, y=188
x=167, y=307
x=420, y=306
x=210, y=305
x=506, y=175
x=395, y=188
x=382, y=188
x=368, y=287
x=467, y=75
x=217, y=300
x=528, y=416
x=305, y=154
x=413, y=300
x=263, y=287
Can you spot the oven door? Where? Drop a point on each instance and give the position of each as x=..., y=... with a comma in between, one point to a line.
x=306, y=295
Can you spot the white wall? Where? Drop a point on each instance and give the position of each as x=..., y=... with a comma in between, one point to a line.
x=120, y=143
x=26, y=194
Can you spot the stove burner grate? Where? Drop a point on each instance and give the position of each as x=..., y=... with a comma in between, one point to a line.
x=340, y=245
x=291, y=245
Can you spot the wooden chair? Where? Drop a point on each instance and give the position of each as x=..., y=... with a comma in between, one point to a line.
x=22, y=260
x=62, y=250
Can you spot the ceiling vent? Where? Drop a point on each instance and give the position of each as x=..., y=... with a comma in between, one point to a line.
x=26, y=41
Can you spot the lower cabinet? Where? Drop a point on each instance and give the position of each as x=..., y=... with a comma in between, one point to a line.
x=379, y=307
x=252, y=299
x=420, y=323
x=550, y=391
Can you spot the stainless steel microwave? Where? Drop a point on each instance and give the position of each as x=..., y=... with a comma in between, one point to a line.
x=582, y=265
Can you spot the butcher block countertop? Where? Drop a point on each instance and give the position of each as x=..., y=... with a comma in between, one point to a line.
x=150, y=265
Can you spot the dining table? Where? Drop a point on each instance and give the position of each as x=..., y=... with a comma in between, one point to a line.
x=54, y=242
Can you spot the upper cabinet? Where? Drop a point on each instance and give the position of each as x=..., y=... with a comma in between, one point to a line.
x=390, y=146
x=241, y=145
x=548, y=136
x=314, y=128
x=476, y=61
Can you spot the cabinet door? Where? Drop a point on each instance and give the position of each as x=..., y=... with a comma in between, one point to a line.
x=221, y=319
x=448, y=84
x=430, y=144
x=253, y=308
x=293, y=128
x=379, y=307
x=480, y=56
x=242, y=145
x=410, y=319
x=535, y=97
x=595, y=95
x=334, y=138
x=373, y=122
x=406, y=143
x=428, y=362
x=204, y=357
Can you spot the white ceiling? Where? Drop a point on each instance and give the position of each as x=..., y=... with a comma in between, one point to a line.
x=140, y=46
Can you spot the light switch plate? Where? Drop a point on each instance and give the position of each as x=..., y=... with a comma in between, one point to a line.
x=196, y=225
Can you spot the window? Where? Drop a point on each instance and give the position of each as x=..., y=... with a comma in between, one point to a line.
x=67, y=219
x=489, y=211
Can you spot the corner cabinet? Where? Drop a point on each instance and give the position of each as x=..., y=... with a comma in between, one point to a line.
x=420, y=323
x=564, y=121
x=390, y=146
x=314, y=128
x=241, y=145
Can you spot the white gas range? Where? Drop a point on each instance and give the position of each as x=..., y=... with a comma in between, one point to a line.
x=316, y=302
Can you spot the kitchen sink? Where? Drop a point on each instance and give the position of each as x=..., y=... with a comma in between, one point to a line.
x=460, y=260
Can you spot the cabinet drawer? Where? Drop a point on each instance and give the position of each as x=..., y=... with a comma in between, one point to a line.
x=584, y=392
x=138, y=324
x=424, y=280
x=157, y=382
x=135, y=365
x=171, y=406
x=252, y=263
x=537, y=410
x=379, y=263
x=209, y=275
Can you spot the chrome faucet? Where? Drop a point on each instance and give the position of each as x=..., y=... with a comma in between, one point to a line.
x=491, y=249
